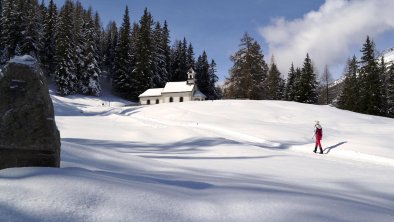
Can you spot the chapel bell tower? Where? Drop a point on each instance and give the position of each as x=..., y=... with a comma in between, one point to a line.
x=191, y=75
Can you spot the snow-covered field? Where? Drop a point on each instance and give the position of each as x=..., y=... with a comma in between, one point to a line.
x=207, y=161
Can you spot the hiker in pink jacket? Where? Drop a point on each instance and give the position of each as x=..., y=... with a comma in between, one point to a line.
x=318, y=136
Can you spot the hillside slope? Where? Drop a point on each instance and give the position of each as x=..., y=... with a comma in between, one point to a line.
x=207, y=161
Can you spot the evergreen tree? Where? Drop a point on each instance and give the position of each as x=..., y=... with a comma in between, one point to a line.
x=390, y=92
x=248, y=72
x=123, y=61
x=203, y=79
x=307, y=83
x=383, y=107
x=11, y=32
x=48, y=51
x=213, y=90
x=99, y=39
x=32, y=33
x=350, y=93
x=78, y=38
x=179, y=61
x=65, y=74
x=290, y=84
x=1, y=10
x=144, y=64
x=298, y=85
x=175, y=60
x=324, y=90
x=370, y=86
x=165, y=45
x=190, y=57
x=273, y=84
x=89, y=80
x=111, y=38
x=160, y=74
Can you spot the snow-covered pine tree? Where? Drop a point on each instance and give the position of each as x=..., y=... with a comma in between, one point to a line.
x=33, y=29
x=350, y=91
x=1, y=27
x=203, y=79
x=111, y=38
x=273, y=84
x=383, y=87
x=248, y=72
x=78, y=40
x=89, y=83
x=307, y=83
x=65, y=74
x=390, y=91
x=11, y=33
x=160, y=75
x=123, y=64
x=370, y=87
x=143, y=56
x=21, y=18
x=48, y=51
x=99, y=38
x=42, y=18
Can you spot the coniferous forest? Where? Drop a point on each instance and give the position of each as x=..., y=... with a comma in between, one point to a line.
x=77, y=52
x=368, y=85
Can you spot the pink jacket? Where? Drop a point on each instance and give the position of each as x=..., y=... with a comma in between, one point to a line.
x=318, y=132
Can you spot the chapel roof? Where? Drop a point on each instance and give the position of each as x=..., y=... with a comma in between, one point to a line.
x=152, y=92
x=173, y=87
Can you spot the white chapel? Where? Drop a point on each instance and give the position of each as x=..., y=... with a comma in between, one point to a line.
x=174, y=92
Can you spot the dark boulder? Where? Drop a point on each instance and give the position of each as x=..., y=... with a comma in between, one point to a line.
x=28, y=132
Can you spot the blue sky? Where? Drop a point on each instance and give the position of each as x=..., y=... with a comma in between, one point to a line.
x=287, y=29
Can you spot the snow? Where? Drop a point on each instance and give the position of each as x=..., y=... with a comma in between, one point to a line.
x=173, y=87
x=198, y=93
x=388, y=56
x=228, y=160
x=152, y=92
x=25, y=59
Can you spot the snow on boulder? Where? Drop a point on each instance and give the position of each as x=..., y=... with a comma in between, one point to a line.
x=24, y=59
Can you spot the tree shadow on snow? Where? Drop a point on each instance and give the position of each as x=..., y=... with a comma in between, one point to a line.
x=188, y=146
x=210, y=157
x=328, y=149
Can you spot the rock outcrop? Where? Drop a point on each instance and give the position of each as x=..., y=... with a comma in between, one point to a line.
x=28, y=132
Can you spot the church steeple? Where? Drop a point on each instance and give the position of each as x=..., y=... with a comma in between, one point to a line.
x=191, y=77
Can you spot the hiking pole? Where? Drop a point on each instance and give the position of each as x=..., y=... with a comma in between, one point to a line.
x=314, y=134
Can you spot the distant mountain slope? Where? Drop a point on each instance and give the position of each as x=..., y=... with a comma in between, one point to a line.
x=336, y=87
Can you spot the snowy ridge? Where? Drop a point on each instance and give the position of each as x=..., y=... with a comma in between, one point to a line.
x=388, y=55
x=207, y=161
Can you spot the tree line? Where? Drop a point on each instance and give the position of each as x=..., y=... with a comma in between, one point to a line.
x=252, y=78
x=368, y=86
x=75, y=50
